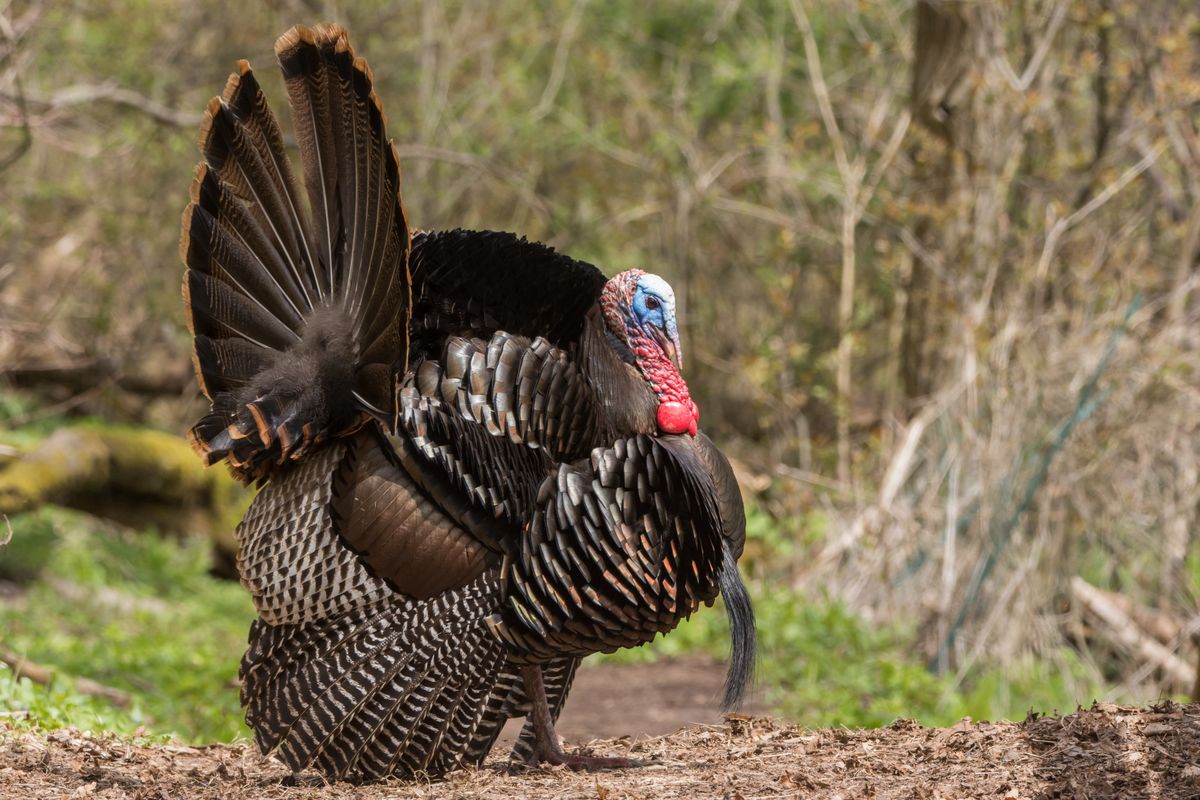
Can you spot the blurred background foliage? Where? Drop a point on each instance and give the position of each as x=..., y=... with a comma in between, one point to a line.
x=937, y=264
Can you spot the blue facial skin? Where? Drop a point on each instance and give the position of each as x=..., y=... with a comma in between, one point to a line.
x=654, y=308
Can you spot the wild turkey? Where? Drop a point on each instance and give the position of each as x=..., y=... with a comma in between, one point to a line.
x=479, y=461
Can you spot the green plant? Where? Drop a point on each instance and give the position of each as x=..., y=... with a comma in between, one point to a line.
x=821, y=665
x=133, y=611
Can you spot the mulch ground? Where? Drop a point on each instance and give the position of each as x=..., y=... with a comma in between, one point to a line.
x=1104, y=752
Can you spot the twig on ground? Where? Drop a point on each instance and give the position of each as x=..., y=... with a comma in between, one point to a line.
x=44, y=676
x=1122, y=630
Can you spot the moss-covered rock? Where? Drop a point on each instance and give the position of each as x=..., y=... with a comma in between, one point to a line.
x=141, y=477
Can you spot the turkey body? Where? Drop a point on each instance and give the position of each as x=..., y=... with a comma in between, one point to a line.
x=468, y=483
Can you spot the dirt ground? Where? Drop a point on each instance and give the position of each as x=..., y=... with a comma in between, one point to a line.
x=609, y=701
x=1104, y=752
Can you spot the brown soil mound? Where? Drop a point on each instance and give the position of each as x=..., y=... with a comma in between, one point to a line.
x=1106, y=751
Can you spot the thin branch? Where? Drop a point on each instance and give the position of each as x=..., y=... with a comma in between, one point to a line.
x=558, y=69
x=812, y=56
x=1062, y=226
x=710, y=175
x=23, y=668
x=446, y=155
x=1122, y=630
x=587, y=133
x=81, y=374
x=22, y=123
x=86, y=93
x=19, y=100
x=1043, y=47
x=1034, y=66
x=884, y=161
x=851, y=175
x=769, y=215
x=812, y=478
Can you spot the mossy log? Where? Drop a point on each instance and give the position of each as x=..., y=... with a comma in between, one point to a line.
x=139, y=477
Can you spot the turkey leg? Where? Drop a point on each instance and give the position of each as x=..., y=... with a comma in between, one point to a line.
x=547, y=748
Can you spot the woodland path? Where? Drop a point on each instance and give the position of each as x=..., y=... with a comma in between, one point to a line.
x=1102, y=752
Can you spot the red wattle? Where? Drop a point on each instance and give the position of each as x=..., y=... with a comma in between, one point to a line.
x=675, y=417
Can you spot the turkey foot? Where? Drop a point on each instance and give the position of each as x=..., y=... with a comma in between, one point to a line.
x=547, y=749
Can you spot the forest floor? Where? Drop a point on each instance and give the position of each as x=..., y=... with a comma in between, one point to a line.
x=1102, y=752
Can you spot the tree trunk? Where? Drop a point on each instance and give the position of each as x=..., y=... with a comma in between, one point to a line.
x=954, y=41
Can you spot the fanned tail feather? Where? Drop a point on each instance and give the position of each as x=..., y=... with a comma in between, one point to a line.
x=299, y=314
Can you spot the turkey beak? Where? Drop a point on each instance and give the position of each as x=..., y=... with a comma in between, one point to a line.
x=668, y=340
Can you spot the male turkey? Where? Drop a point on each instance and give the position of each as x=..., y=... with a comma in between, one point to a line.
x=480, y=462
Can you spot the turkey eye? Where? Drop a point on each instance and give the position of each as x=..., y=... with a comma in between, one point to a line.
x=651, y=303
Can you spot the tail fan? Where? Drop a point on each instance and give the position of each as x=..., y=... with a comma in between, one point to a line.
x=299, y=315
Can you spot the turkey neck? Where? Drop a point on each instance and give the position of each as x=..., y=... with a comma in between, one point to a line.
x=629, y=403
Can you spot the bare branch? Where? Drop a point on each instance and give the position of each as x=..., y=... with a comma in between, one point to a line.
x=12, y=36
x=1124, y=631
x=816, y=77
x=561, y=53
x=1029, y=75
x=84, y=94
x=1060, y=227
x=480, y=164
x=884, y=161
x=23, y=668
